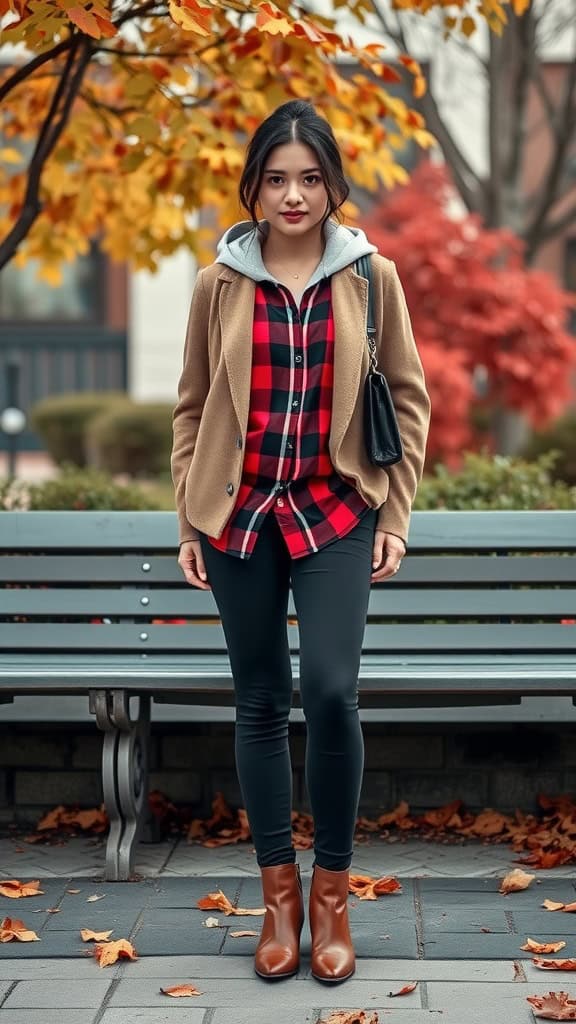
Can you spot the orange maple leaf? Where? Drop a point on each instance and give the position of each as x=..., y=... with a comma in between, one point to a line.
x=11, y=929
x=554, y=965
x=218, y=901
x=554, y=1006
x=180, y=990
x=542, y=947
x=15, y=889
x=87, y=935
x=108, y=953
x=368, y=888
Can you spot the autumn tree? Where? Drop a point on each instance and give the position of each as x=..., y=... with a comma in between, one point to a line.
x=490, y=330
x=123, y=119
x=522, y=174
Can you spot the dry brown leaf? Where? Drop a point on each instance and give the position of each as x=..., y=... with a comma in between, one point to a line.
x=368, y=888
x=107, y=953
x=351, y=1017
x=404, y=991
x=15, y=889
x=73, y=891
x=88, y=936
x=94, y=899
x=515, y=881
x=542, y=947
x=554, y=965
x=552, y=905
x=11, y=930
x=47, y=910
x=241, y=935
x=554, y=1006
x=180, y=990
x=218, y=901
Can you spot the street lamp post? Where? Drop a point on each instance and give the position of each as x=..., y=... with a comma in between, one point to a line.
x=12, y=417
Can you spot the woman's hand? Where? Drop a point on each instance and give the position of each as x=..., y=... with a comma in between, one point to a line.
x=191, y=562
x=389, y=549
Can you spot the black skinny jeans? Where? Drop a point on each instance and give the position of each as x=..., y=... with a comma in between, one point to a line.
x=331, y=589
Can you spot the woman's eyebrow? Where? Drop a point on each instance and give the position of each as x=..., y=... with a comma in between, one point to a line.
x=272, y=170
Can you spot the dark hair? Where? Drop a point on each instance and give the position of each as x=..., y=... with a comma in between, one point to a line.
x=295, y=121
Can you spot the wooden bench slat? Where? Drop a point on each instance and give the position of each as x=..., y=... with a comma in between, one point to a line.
x=405, y=602
x=126, y=531
x=120, y=637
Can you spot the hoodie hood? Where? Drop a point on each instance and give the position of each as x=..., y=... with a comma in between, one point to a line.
x=240, y=249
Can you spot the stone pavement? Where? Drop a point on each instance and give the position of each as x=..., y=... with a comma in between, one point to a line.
x=429, y=932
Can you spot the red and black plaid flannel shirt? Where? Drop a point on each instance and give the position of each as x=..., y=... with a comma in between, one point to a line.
x=287, y=467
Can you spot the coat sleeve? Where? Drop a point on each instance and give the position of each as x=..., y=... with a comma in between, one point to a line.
x=193, y=388
x=399, y=360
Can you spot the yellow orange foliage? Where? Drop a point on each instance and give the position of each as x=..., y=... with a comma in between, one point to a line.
x=133, y=121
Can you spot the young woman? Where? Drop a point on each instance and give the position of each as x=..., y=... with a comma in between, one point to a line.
x=274, y=489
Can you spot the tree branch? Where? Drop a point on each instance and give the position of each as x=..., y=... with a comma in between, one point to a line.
x=555, y=227
x=25, y=70
x=54, y=124
x=549, y=192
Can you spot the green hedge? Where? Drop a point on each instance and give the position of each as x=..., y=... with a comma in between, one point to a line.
x=496, y=482
x=75, y=488
x=61, y=422
x=132, y=437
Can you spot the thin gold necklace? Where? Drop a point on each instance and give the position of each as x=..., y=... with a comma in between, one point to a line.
x=296, y=276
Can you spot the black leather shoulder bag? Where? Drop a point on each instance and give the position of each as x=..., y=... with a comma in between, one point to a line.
x=381, y=433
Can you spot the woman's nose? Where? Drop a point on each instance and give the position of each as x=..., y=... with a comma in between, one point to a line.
x=293, y=194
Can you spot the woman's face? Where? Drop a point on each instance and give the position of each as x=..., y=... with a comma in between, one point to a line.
x=292, y=183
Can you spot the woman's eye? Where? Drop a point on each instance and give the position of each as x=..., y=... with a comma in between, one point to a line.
x=313, y=178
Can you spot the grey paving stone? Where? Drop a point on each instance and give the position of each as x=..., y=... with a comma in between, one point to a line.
x=51, y=944
x=91, y=916
x=5, y=986
x=525, y=922
x=289, y=993
x=52, y=994
x=253, y=1015
x=485, y=946
x=180, y=1010
x=184, y=968
x=56, y=968
x=178, y=940
x=47, y=1016
x=499, y=1002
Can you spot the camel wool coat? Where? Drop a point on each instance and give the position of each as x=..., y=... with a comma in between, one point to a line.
x=211, y=415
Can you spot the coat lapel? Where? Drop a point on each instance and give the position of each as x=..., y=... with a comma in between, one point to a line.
x=236, y=312
x=349, y=307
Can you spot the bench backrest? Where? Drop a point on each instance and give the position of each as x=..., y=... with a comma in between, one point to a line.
x=471, y=582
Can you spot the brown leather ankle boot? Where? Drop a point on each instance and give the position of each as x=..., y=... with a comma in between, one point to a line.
x=278, y=951
x=332, y=952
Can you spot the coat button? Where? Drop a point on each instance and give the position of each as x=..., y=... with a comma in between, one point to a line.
x=239, y=441
x=230, y=488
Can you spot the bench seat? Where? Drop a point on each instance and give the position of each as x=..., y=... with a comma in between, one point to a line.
x=482, y=613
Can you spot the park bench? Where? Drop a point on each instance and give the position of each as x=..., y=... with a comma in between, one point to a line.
x=473, y=618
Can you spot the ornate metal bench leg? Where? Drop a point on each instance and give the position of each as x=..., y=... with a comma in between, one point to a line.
x=132, y=775
x=100, y=704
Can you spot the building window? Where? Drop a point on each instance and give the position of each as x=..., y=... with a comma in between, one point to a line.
x=25, y=298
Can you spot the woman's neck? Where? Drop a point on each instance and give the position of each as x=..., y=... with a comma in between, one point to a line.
x=306, y=249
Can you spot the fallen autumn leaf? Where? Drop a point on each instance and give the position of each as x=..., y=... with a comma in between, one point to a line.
x=180, y=990
x=11, y=929
x=15, y=890
x=554, y=1006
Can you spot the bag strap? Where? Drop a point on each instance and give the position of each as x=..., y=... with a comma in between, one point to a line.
x=363, y=268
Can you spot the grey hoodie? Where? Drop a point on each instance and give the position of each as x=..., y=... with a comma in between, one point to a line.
x=239, y=248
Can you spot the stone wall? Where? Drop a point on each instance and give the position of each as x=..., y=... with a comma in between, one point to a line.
x=500, y=766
